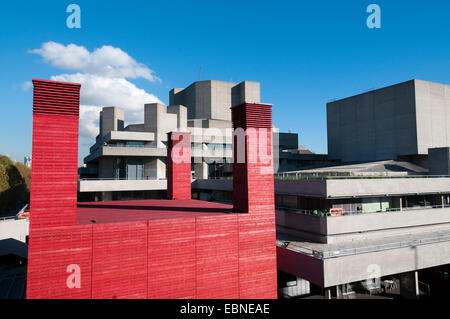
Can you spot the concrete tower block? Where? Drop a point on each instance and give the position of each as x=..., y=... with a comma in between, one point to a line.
x=178, y=165
x=111, y=119
x=153, y=114
x=253, y=185
x=172, y=95
x=181, y=113
x=249, y=92
x=53, y=199
x=157, y=120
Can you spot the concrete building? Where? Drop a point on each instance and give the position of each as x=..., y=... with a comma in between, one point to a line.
x=397, y=122
x=129, y=162
x=377, y=217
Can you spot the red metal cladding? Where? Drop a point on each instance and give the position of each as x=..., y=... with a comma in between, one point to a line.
x=217, y=257
x=148, y=249
x=253, y=189
x=119, y=267
x=55, y=256
x=55, y=154
x=257, y=256
x=171, y=259
x=178, y=165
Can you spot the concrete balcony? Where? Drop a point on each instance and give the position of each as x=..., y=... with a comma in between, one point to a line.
x=362, y=226
x=113, y=185
x=126, y=151
x=360, y=187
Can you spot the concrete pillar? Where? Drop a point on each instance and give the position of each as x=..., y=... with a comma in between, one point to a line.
x=409, y=285
x=155, y=169
x=328, y=293
x=338, y=291
x=201, y=170
x=106, y=196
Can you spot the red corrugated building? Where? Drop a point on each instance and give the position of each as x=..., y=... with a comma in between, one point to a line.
x=174, y=248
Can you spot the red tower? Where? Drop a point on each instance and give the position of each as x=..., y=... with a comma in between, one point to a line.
x=253, y=198
x=53, y=199
x=178, y=166
x=178, y=248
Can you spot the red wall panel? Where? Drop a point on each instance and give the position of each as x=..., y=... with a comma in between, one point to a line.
x=217, y=257
x=51, y=251
x=119, y=268
x=257, y=257
x=178, y=165
x=171, y=258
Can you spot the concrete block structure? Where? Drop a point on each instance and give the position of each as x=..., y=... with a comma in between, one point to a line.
x=439, y=161
x=179, y=248
x=139, y=151
x=399, y=121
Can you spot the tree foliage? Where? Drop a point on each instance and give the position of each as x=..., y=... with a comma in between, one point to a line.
x=14, y=183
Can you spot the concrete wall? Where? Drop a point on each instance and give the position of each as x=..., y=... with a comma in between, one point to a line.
x=385, y=186
x=439, y=161
x=358, y=267
x=399, y=120
x=15, y=229
x=213, y=99
x=111, y=119
x=376, y=125
x=433, y=115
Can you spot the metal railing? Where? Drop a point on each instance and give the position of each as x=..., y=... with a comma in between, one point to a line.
x=2, y=219
x=121, y=179
x=326, y=213
x=335, y=253
x=321, y=176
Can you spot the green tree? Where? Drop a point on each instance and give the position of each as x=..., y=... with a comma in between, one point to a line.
x=15, y=181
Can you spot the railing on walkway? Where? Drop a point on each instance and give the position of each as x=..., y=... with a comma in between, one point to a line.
x=328, y=176
x=326, y=213
x=337, y=252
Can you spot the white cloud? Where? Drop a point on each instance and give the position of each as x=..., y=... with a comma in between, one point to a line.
x=26, y=85
x=98, y=91
x=106, y=61
x=103, y=76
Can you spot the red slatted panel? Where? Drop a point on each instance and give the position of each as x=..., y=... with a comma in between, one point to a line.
x=252, y=115
x=55, y=154
x=257, y=257
x=171, y=259
x=119, y=267
x=179, y=165
x=217, y=257
x=50, y=252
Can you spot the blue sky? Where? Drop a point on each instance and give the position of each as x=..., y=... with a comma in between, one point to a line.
x=304, y=53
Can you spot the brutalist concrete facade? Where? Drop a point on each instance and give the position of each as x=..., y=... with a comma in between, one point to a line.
x=403, y=120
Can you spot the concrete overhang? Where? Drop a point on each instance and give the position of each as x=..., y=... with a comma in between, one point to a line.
x=129, y=136
x=120, y=185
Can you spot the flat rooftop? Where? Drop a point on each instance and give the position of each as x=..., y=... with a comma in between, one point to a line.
x=149, y=209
